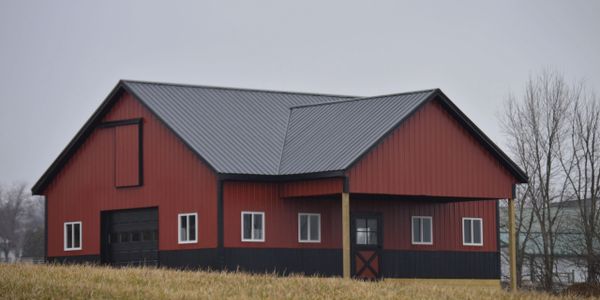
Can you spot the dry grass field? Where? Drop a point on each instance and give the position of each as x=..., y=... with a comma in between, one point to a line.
x=89, y=282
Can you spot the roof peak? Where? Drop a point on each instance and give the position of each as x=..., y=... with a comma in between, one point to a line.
x=235, y=88
x=366, y=98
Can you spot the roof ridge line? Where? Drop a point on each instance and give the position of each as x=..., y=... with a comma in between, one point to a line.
x=287, y=129
x=365, y=98
x=235, y=88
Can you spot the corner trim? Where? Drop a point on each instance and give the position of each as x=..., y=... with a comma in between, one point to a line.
x=220, y=225
x=45, y=229
x=498, y=238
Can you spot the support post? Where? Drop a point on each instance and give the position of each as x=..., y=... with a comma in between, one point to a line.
x=512, y=245
x=346, y=234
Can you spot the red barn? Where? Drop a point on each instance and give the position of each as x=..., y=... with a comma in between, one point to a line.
x=394, y=186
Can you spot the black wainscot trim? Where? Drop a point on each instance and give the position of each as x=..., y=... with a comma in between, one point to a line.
x=440, y=264
x=285, y=261
x=324, y=262
x=190, y=259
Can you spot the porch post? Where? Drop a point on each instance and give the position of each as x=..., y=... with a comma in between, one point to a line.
x=512, y=246
x=346, y=234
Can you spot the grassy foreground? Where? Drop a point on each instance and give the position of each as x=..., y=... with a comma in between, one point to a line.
x=88, y=282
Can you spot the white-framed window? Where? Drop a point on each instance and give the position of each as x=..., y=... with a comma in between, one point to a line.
x=188, y=228
x=367, y=232
x=253, y=226
x=309, y=228
x=472, y=231
x=422, y=231
x=72, y=236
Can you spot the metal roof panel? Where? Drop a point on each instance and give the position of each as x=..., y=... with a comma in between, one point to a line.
x=236, y=131
x=330, y=137
x=259, y=132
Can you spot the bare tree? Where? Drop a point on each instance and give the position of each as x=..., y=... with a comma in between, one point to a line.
x=519, y=142
x=33, y=237
x=13, y=207
x=580, y=161
x=535, y=125
x=523, y=214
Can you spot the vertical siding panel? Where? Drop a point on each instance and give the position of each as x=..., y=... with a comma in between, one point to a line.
x=411, y=146
x=329, y=186
x=447, y=222
x=455, y=157
x=435, y=156
x=281, y=216
x=400, y=172
x=127, y=155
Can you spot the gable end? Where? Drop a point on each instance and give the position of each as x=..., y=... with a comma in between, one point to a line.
x=95, y=121
x=482, y=138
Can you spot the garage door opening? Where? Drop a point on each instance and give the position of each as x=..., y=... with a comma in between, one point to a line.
x=130, y=237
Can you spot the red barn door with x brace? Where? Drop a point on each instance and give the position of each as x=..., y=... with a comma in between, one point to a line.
x=366, y=245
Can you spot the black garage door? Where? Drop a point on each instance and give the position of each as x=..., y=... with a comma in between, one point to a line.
x=130, y=237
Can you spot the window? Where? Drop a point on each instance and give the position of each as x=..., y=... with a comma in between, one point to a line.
x=136, y=236
x=472, y=232
x=147, y=236
x=72, y=236
x=366, y=231
x=253, y=226
x=309, y=228
x=422, y=231
x=124, y=237
x=187, y=228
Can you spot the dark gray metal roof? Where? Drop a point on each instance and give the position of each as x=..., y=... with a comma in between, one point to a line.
x=236, y=131
x=330, y=137
x=257, y=132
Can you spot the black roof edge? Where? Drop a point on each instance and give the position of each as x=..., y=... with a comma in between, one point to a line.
x=238, y=89
x=75, y=142
x=280, y=178
x=514, y=169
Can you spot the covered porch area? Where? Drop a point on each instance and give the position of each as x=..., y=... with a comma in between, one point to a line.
x=453, y=239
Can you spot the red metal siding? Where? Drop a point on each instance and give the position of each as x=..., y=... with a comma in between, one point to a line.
x=431, y=154
x=329, y=186
x=446, y=222
x=281, y=216
x=281, y=219
x=127, y=155
x=175, y=181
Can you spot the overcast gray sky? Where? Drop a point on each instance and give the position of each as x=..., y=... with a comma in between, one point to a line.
x=59, y=59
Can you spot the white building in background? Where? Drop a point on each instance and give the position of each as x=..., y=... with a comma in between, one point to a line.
x=569, y=266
